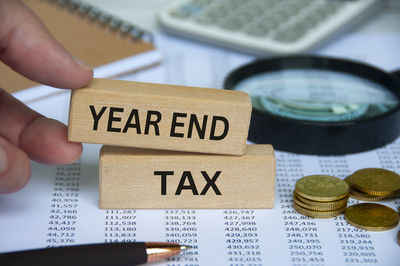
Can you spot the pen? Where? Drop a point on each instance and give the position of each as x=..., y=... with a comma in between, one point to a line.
x=118, y=254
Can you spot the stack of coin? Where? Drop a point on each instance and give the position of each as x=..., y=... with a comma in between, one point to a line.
x=320, y=196
x=373, y=184
x=372, y=216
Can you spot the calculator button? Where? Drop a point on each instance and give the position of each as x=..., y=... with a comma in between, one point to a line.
x=230, y=24
x=205, y=20
x=289, y=35
x=258, y=30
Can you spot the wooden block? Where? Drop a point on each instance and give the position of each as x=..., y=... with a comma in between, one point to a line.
x=153, y=179
x=158, y=116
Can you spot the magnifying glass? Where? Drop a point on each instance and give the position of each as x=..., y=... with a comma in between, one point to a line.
x=319, y=105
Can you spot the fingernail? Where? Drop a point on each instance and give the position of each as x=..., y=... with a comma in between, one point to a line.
x=3, y=160
x=81, y=63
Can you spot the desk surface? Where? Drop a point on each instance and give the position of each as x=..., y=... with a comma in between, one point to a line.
x=60, y=205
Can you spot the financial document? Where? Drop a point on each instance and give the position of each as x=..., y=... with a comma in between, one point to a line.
x=60, y=205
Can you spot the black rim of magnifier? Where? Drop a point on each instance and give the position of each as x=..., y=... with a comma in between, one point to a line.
x=314, y=137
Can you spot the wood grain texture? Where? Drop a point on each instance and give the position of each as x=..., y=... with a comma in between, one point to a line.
x=159, y=116
x=153, y=179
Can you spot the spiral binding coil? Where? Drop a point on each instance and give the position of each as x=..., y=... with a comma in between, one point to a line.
x=114, y=24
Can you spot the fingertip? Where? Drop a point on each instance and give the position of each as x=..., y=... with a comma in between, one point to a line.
x=46, y=141
x=15, y=168
x=79, y=79
x=73, y=154
x=80, y=75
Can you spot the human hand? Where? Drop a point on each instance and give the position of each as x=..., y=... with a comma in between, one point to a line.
x=28, y=48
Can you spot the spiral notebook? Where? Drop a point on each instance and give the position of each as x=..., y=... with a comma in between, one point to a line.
x=91, y=35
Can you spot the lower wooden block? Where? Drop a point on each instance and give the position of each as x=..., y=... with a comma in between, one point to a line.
x=153, y=179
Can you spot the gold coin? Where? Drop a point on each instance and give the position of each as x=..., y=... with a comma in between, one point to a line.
x=334, y=203
x=376, y=181
x=355, y=194
x=371, y=216
x=321, y=207
x=318, y=214
x=322, y=188
x=365, y=197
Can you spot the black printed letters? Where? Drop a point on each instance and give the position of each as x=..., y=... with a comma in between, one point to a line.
x=183, y=125
x=187, y=182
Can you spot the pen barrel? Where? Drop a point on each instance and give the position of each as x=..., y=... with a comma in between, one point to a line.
x=118, y=254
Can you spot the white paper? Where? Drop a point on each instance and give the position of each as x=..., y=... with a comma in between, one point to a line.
x=60, y=205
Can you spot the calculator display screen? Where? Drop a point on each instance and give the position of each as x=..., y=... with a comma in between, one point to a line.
x=317, y=95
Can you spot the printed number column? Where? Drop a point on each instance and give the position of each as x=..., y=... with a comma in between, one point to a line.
x=356, y=244
x=300, y=231
x=242, y=237
x=64, y=206
x=181, y=227
x=120, y=226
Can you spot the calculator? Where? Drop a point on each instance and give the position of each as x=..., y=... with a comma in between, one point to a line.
x=264, y=27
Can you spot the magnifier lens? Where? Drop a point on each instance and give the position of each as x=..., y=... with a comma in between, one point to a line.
x=317, y=95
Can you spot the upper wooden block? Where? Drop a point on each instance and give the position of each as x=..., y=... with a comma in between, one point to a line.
x=158, y=116
x=155, y=179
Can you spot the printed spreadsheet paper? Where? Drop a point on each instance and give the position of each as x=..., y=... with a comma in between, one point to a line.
x=60, y=205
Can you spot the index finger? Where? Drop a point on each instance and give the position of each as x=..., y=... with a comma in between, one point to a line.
x=28, y=48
